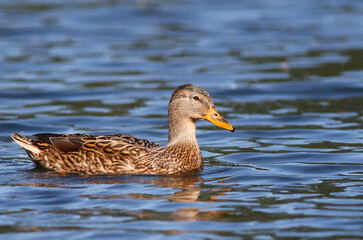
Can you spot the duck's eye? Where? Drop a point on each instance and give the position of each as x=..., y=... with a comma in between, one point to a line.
x=196, y=98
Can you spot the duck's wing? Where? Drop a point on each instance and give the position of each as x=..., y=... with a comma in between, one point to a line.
x=112, y=143
x=62, y=142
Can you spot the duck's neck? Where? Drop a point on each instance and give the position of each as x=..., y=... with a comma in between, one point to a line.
x=181, y=130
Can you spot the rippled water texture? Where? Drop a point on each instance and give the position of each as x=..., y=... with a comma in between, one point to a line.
x=287, y=74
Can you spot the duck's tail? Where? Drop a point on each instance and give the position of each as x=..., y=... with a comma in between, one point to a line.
x=26, y=143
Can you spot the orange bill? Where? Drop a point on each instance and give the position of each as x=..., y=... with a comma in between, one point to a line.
x=214, y=117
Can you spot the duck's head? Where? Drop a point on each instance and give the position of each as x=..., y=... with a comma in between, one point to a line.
x=190, y=102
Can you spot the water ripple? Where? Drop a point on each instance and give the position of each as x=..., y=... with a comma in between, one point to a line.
x=288, y=75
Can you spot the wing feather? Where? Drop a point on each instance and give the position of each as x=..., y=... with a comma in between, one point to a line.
x=123, y=144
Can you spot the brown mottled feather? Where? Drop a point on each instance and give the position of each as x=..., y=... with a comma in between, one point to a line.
x=113, y=154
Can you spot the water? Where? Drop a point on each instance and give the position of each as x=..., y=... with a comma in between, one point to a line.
x=287, y=74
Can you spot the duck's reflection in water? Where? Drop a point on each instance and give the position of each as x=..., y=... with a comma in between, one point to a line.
x=183, y=189
x=188, y=187
x=178, y=192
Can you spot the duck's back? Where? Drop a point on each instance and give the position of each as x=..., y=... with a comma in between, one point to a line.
x=88, y=154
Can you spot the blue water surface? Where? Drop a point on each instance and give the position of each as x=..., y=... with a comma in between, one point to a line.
x=287, y=74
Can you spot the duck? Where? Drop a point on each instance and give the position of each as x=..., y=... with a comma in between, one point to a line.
x=125, y=154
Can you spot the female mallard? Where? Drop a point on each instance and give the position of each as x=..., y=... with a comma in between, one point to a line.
x=126, y=154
